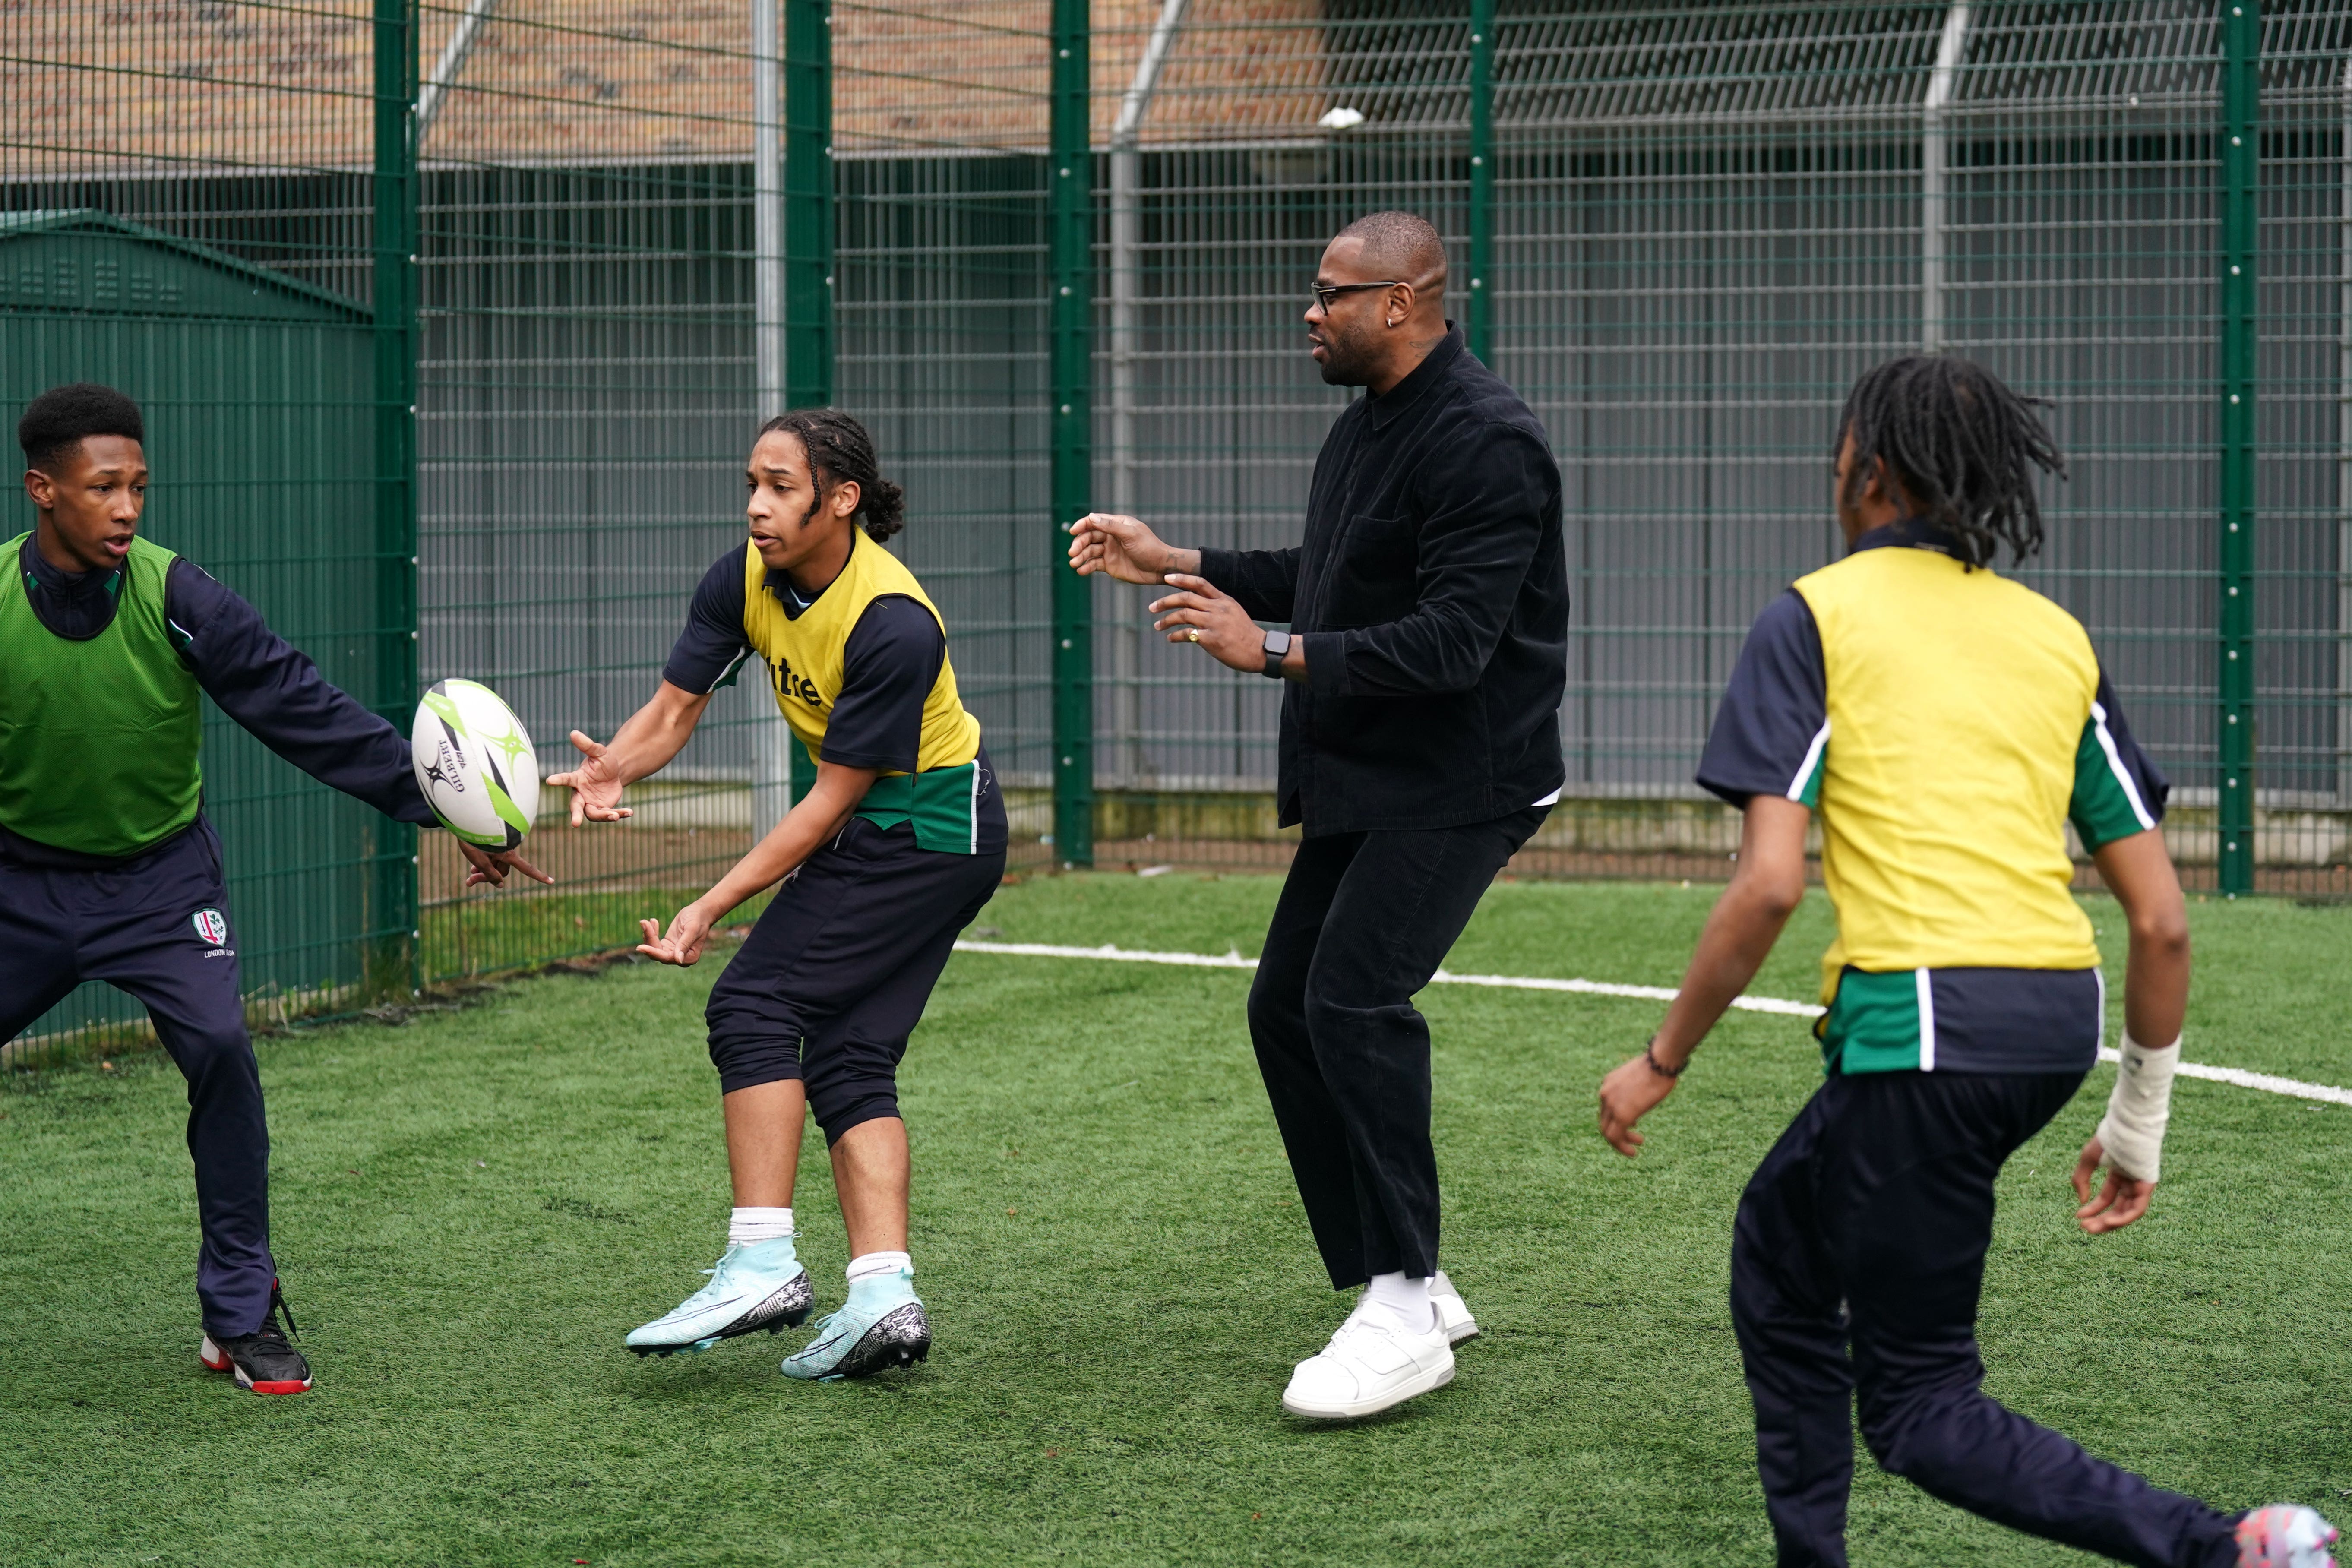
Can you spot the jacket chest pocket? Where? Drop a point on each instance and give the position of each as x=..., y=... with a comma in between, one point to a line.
x=1369, y=578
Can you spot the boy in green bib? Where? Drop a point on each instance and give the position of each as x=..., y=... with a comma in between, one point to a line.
x=108, y=868
x=888, y=857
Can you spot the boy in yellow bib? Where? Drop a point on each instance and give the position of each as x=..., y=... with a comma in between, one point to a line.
x=889, y=857
x=1944, y=725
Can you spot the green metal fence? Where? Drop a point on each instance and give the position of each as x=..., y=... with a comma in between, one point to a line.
x=1683, y=230
x=522, y=275
x=612, y=296
x=185, y=212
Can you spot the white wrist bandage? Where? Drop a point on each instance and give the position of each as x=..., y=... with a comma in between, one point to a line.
x=2133, y=1132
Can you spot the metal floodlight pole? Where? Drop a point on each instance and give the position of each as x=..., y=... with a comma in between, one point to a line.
x=445, y=71
x=2242, y=43
x=1069, y=173
x=772, y=737
x=1478, y=325
x=1126, y=247
x=392, y=965
x=1934, y=310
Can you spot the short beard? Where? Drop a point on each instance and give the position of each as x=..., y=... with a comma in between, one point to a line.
x=1341, y=364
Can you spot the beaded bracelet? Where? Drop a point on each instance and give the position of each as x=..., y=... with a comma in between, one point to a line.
x=1650, y=1054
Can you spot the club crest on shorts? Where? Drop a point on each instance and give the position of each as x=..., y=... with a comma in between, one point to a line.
x=211, y=925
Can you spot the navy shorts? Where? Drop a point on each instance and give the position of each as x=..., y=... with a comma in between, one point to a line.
x=835, y=974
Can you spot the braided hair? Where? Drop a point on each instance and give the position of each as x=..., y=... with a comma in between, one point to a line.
x=1961, y=443
x=840, y=450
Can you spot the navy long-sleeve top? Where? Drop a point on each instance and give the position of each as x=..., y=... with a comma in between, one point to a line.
x=1430, y=591
x=257, y=678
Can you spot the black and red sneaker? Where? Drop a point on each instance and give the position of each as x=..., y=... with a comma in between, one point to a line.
x=262, y=1360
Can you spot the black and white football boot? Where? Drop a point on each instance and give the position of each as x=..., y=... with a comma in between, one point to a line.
x=261, y=1360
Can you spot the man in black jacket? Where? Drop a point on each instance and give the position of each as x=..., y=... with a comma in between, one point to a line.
x=1425, y=663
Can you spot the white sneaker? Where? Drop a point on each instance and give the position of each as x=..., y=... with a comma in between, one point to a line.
x=1367, y=1368
x=1451, y=1312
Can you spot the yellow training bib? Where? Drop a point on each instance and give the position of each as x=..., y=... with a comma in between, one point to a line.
x=1957, y=701
x=805, y=653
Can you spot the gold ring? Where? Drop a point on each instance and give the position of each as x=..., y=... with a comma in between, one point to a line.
x=1193, y=633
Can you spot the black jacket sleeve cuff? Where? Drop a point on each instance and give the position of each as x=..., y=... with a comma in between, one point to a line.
x=1220, y=567
x=1327, y=662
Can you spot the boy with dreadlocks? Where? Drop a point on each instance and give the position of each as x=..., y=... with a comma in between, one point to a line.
x=892, y=853
x=1945, y=723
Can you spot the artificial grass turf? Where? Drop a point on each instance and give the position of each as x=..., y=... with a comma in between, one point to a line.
x=472, y=1208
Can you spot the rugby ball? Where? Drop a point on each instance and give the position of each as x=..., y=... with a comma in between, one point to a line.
x=475, y=764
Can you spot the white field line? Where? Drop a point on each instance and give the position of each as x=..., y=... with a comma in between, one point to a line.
x=1111, y=954
x=2260, y=1080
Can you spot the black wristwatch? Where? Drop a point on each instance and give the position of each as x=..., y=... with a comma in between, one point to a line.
x=1277, y=646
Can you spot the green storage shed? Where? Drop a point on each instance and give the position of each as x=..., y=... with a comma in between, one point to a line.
x=258, y=393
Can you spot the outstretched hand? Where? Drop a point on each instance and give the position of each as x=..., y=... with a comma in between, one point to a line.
x=2121, y=1199
x=682, y=943
x=1120, y=547
x=482, y=866
x=595, y=784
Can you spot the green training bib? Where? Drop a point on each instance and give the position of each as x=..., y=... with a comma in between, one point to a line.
x=99, y=739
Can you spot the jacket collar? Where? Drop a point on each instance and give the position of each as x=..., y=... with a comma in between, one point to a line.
x=64, y=584
x=1914, y=533
x=1385, y=408
x=75, y=606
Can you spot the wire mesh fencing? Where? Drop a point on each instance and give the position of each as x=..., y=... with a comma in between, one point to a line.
x=1705, y=222
x=592, y=376
x=185, y=201
x=585, y=401
x=592, y=245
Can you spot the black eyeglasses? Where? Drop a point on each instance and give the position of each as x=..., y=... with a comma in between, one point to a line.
x=1326, y=292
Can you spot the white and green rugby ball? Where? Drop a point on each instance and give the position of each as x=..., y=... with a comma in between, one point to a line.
x=475, y=764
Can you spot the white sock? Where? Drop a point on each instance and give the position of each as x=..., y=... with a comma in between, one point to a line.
x=758, y=1224
x=1399, y=1302
x=868, y=1265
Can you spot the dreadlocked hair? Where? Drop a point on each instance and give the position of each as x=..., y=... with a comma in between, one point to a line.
x=840, y=450
x=1962, y=445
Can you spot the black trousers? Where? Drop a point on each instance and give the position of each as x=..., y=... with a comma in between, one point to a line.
x=1867, y=1225
x=835, y=976
x=149, y=930
x=1363, y=921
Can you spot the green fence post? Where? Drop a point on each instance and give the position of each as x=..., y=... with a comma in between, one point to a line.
x=1479, y=314
x=393, y=956
x=808, y=235
x=808, y=203
x=2241, y=42
x=1070, y=169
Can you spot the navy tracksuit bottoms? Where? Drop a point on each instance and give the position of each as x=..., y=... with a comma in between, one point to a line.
x=1857, y=1259
x=834, y=977
x=158, y=928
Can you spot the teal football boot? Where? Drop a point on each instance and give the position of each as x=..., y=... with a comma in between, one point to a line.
x=757, y=1285
x=879, y=1327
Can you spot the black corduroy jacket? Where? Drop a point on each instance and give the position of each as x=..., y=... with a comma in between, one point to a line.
x=1430, y=592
